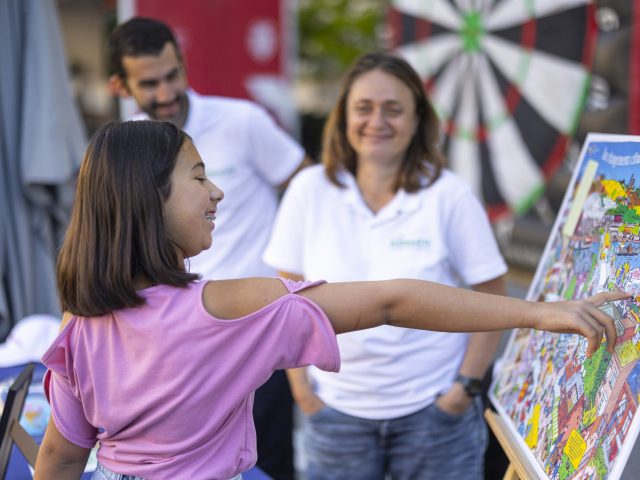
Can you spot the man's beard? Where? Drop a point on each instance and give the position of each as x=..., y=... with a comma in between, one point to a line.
x=178, y=117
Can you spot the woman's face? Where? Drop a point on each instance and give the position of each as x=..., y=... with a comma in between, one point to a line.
x=191, y=207
x=381, y=117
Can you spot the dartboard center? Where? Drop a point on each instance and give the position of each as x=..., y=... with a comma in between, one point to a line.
x=472, y=32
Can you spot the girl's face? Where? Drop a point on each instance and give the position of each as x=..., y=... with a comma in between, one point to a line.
x=191, y=207
x=381, y=117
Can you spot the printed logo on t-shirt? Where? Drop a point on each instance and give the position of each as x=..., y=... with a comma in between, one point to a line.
x=410, y=243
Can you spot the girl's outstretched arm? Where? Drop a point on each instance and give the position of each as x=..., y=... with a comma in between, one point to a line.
x=431, y=306
x=58, y=457
x=420, y=304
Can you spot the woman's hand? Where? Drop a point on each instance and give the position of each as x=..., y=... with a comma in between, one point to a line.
x=303, y=392
x=580, y=316
x=455, y=401
x=309, y=402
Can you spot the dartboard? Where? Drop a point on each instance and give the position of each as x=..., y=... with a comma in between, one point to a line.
x=508, y=79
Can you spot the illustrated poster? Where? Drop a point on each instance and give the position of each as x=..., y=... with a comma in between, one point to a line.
x=576, y=417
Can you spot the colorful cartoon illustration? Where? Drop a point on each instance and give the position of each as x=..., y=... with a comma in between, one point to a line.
x=577, y=415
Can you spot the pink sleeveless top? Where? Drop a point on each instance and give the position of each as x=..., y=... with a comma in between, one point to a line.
x=167, y=389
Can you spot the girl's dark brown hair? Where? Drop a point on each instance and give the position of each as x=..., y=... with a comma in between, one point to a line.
x=423, y=158
x=116, y=233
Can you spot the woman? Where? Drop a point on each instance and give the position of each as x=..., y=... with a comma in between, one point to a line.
x=405, y=403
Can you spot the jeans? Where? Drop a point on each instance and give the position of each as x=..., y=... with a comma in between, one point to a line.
x=103, y=473
x=427, y=445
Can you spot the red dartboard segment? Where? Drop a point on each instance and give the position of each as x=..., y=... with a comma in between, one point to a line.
x=508, y=79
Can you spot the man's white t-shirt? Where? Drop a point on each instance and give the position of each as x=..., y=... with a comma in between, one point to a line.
x=246, y=155
x=440, y=233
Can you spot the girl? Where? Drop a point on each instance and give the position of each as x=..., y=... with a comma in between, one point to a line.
x=160, y=368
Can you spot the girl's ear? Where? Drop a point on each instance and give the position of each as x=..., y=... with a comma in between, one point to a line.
x=118, y=87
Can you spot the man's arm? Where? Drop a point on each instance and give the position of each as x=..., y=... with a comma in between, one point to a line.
x=306, y=162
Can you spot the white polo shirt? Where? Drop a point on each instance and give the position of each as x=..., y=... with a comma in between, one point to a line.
x=440, y=233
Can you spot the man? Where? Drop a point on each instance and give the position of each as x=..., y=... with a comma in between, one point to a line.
x=248, y=157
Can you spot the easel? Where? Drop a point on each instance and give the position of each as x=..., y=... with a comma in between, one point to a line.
x=519, y=467
x=10, y=429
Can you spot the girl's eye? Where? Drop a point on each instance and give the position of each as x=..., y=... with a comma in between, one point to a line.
x=201, y=179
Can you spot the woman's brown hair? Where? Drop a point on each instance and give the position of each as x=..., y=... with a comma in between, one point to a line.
x=423, y=158
x=116, y=233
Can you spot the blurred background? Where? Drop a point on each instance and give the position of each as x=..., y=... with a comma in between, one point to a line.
x=517, y=85
x=517, y=89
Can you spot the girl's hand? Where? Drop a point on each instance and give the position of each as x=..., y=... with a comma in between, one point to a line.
x=580, y=316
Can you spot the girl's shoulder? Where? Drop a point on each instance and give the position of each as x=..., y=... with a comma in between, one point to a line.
x=54, y=357
x=231, y=299
x=66, y=318
x=234, y=299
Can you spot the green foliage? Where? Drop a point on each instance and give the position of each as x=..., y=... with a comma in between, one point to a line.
x=599, y=463
x=594, y=371
x=571, y=289
x=629, y=215
x=566, y=469
x=333, y=33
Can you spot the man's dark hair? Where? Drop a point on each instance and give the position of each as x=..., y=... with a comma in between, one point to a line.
x=138, y=36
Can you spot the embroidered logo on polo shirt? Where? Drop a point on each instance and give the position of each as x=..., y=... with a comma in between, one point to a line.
x=410, y=243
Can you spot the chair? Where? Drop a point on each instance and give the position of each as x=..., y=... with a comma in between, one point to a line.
x=10, y=429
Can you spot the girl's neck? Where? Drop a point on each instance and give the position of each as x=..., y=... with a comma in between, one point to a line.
x=376, y=184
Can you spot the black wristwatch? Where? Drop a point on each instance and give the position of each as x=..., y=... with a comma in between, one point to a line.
x=472, y=386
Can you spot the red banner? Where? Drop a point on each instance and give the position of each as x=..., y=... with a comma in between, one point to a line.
x=225, y=42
